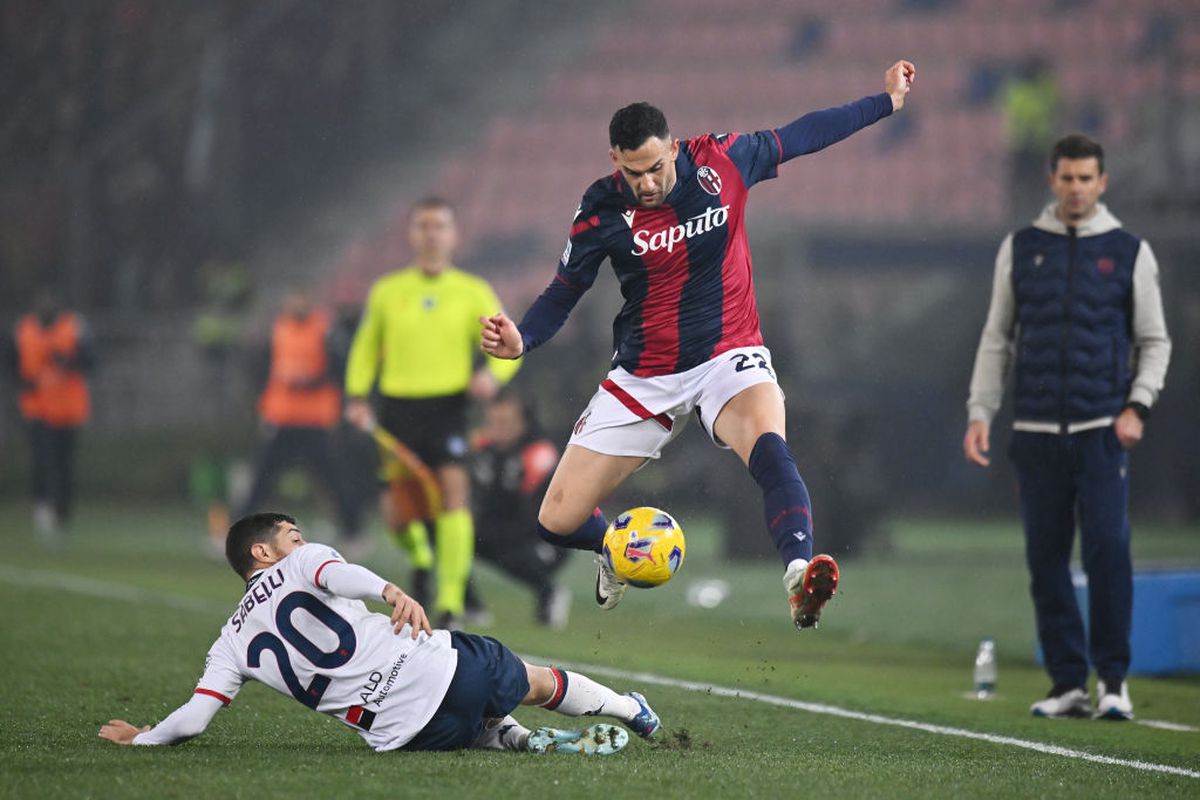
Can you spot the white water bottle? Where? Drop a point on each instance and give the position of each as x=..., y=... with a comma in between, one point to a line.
x=985, y=670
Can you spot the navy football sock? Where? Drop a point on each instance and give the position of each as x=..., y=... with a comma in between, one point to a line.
x=785, y=497
x=588, y=536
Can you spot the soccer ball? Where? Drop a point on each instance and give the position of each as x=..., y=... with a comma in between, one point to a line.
x=644, y=547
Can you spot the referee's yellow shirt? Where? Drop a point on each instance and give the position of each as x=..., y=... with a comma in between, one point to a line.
x=419, y=335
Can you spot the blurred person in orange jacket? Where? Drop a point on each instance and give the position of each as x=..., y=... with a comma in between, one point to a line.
x=300, y=408
x=51, y=353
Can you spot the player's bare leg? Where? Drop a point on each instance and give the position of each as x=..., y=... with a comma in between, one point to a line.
x=575, y=695
x=570, y=514
x=753, y=424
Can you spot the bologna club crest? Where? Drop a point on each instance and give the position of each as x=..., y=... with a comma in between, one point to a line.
x=710, y=181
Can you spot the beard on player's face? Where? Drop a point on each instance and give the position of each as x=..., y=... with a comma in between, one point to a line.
x=649, y=169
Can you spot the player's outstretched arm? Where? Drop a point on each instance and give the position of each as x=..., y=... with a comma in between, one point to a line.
x=500, y=337
x=187, y=721
x=817, y=130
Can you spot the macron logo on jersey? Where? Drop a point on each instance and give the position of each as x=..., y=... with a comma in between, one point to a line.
x=712, y=218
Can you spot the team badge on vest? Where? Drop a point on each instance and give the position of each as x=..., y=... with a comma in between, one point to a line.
x=1106, y=265
x=709, y=180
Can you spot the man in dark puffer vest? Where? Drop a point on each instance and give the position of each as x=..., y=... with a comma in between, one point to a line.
x=1076, y=300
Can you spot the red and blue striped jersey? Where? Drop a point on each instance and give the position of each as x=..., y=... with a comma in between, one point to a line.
x=684, y=268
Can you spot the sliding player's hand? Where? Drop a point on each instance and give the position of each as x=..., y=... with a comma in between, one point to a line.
x=120, y=731
x=406, y=611
x=500, y=337
x=897, y=82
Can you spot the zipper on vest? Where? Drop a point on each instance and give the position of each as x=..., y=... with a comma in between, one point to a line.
x=1072, y=242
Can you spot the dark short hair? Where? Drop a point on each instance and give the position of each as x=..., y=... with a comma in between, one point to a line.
x=247, y=532
x=431, y=202
x=1075, y=146
x=632, y=125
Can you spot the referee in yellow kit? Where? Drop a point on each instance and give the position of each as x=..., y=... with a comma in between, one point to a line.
x=419, y=335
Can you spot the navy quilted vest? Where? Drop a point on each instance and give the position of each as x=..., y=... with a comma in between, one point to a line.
x=1074, y=308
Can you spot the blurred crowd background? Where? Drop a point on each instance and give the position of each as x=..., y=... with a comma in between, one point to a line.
x=172, y=167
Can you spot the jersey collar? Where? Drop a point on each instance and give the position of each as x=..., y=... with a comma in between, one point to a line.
x=253, y=579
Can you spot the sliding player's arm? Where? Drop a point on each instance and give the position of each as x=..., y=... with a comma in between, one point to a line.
x=185, y=722
x=217, y=688
x=331, y=573
x=360, y=583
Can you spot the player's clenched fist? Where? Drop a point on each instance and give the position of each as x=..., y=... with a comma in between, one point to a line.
x=406, y=611
x=500, y=337
x=898, y=80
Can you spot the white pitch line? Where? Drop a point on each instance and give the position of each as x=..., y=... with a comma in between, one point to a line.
x=107, y=590
x=1163, y=725
x=118, y=591
x=845, y=713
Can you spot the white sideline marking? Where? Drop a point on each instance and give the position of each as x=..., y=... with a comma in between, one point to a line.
x=845, y=713
x=107, y=590
x=1163, y=725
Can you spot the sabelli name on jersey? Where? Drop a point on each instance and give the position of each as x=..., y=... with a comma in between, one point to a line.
x=258, y=594
x=666, y=239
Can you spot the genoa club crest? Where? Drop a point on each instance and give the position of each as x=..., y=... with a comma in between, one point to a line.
x=709, y=180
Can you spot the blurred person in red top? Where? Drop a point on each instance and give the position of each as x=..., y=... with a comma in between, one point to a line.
x=300, y=408
x=510, y=469
x=50, y=355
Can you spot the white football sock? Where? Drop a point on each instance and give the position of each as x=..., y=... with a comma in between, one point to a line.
x=502, y=733
x=578, y=695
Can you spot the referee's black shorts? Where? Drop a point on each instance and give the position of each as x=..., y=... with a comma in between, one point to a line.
x=435, y=428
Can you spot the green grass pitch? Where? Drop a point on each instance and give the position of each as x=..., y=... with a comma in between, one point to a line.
x=117, y=626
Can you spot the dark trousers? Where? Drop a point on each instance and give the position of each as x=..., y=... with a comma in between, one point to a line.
x=53, y=455
x=313, y=447
x=1082, y=475
x=526, y=558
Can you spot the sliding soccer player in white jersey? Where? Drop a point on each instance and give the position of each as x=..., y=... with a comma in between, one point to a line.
x=302, y=629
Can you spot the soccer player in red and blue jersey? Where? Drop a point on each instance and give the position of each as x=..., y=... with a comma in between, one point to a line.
x=670, y=219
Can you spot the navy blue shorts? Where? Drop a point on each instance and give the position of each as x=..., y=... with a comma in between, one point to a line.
x=490, y=682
